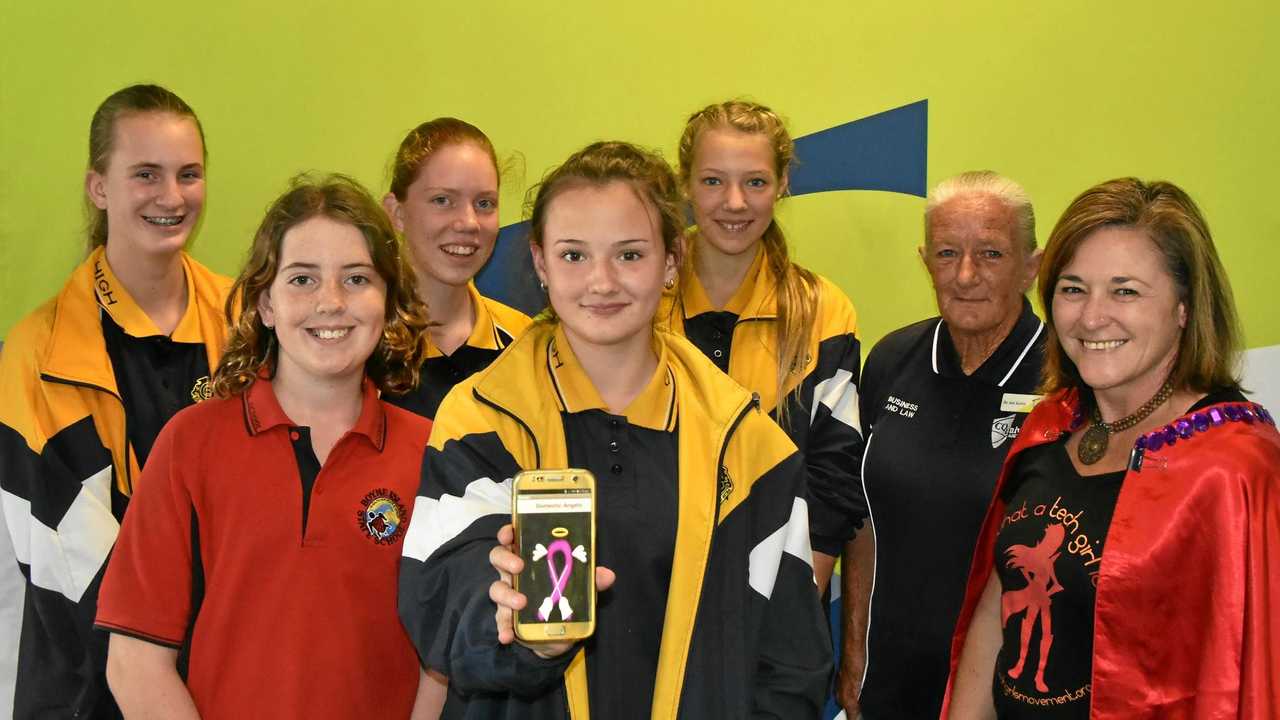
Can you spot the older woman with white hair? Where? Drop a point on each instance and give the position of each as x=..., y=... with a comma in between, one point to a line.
x=941, y=400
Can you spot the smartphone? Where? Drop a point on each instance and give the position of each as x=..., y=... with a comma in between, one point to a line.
x=554, y=515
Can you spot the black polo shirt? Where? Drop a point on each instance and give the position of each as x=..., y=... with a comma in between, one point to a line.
x=634, y=459
x=712, y=333
x=156, y=377
x=936, y=441
x=495, y=327
x=156, y=374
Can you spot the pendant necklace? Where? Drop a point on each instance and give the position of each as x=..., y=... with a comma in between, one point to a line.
x=1093, y=444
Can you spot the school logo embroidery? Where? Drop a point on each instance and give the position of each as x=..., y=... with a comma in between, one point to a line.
x=1002, y=429
x=381, y=516
x=725, y=484
x=202, y=390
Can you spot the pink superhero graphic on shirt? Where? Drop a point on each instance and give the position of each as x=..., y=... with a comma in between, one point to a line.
x=1036, y=563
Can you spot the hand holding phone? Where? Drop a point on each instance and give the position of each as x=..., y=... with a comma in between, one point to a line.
x=509, y=601
x=546, y=562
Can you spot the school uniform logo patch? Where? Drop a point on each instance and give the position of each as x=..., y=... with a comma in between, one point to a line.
x=381, y=516
x=725, y=485
x=202, y=390
x=1002, y=429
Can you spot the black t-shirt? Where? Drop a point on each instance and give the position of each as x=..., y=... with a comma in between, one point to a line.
x=156, y=377
x=936, y=441
x=1048, y=552
x=637, y=491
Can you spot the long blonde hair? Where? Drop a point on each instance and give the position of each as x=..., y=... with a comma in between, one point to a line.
x=797, y=288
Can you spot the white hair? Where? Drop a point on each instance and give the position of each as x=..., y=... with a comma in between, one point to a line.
x=986, y=182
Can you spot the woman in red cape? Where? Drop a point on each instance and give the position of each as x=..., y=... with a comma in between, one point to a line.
x=1140, y=375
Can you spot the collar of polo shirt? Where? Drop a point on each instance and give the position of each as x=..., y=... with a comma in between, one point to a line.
x=653, y=408
x=1006, y=359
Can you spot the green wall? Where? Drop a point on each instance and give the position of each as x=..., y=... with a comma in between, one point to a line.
x=1056, y=94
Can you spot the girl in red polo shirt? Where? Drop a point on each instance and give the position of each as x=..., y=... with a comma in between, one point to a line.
x=265, y=550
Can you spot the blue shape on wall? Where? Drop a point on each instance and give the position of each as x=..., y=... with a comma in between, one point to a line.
x=886, y=151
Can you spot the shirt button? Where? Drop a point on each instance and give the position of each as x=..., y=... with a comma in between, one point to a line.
x=294, y=434
x=613, y=446
x=718, y=353
x=616, y=469
x=614, y=424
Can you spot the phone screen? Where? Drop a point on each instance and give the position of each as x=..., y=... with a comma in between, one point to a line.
x=555, y=543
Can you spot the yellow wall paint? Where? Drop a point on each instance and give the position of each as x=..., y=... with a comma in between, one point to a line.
x=1058, y=95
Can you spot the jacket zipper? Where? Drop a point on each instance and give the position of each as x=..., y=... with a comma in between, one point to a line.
x=752, y=404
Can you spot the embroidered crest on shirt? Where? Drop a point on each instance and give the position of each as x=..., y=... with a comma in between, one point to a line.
x=725, y=485
x=381, y=516
x=1002, y=428
x=202, y=390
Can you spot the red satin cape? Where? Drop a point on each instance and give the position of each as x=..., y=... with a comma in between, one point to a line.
x=1188, y=591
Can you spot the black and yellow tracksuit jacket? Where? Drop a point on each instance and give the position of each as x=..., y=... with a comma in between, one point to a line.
x=743, y=634
x=822, y=418
x=66, y=471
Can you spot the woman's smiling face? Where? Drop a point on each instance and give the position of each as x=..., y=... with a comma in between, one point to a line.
x=1118, y=313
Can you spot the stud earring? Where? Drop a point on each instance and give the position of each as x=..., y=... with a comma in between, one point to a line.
x=542, y=284
x=670, y=283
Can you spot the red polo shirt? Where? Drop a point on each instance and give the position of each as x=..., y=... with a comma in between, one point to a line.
x=285, y=616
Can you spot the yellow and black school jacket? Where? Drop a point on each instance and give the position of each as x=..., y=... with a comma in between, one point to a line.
x=822, y=418
x=67, y=469
x=743, y=633
x=496, y=327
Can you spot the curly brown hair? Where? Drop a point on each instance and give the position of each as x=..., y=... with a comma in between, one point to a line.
x=600, y=163
x=251, y=348
x=1209, y=347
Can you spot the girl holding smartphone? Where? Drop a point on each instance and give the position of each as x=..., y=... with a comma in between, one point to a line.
x=706, y=606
